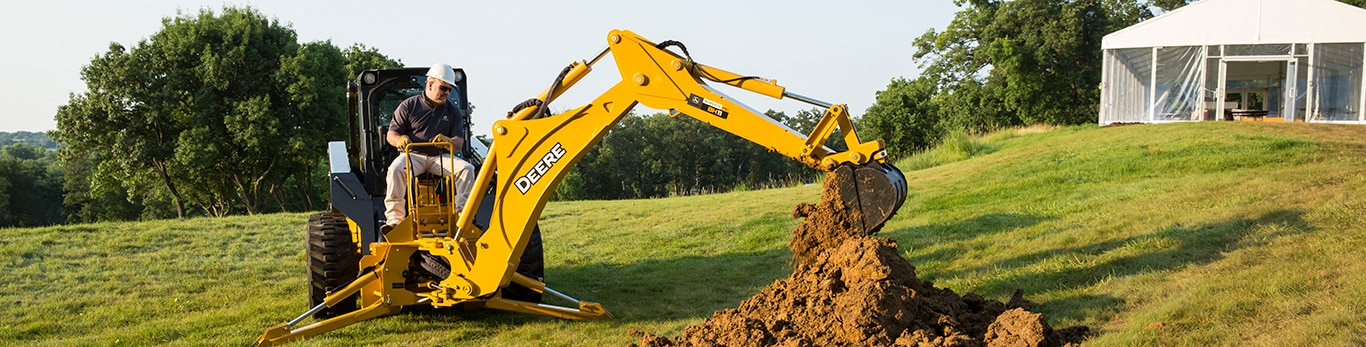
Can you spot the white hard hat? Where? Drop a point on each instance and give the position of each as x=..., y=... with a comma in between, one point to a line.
x=443, y=72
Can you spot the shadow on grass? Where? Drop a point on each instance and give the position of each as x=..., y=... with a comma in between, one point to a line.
x=677, y=288
x=651, y=290
x=1168, y=248
x=939, y=233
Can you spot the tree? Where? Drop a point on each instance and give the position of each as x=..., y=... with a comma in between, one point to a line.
x=1000, y=64
x=237, y=119
x=30, y=187
x=1039, y=59
x=90, y=198
x=4, y=196
x=360, y=57
x=1168, y=5
x=227, y=111
x=903, y=116
x=120, y=120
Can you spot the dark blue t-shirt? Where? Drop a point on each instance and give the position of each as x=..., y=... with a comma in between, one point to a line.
x=421, y=120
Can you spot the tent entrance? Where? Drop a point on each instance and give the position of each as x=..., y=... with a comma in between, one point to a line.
x=1256, y=89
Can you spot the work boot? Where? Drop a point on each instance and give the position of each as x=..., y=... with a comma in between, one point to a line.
x=386, y=228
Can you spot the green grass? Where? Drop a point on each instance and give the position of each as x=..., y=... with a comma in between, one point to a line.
x=956, y=146
x=1153, y=235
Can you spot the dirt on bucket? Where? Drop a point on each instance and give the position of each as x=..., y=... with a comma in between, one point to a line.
x=848, y=288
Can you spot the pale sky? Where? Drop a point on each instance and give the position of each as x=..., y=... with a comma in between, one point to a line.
x=834, y=51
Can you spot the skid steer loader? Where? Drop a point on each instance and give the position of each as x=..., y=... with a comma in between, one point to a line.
x=488, y=255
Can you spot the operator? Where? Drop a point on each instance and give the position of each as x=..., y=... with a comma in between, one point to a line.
x=427, y=117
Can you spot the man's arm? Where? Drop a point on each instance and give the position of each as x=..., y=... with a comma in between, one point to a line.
x=394, y=137
x=458, y=142
x=397, y=140
x=458, y=130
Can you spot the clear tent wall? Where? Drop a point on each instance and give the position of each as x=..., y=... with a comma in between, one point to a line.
x=1315, y=82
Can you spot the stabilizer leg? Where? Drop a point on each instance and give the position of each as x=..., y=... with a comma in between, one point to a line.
x=281, y=333
x=585, y=311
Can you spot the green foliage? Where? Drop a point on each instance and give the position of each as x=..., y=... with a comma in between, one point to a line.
x=959, y=143
x=658, y=155
x=30, y=186
x=360, y=57
x=89, y=198
x=1169, y=5
x=1002, y=64
x=903, y=116
x=214, y=114
x=956, y=146
x=1034, y=61
x=33, y=138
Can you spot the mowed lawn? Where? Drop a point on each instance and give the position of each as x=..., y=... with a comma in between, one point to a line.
x=1175, y=234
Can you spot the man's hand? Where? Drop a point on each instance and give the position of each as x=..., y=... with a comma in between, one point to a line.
x=402, y=141
x=456, y=142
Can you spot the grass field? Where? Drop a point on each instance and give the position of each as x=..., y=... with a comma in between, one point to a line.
x=1174, y=234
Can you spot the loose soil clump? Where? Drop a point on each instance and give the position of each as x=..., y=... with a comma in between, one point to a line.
x=848, y=288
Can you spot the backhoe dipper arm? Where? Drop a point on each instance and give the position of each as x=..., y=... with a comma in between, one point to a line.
x=660, y=79
x=531, y=154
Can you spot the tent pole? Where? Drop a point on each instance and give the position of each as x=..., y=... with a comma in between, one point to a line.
x=1152, y=84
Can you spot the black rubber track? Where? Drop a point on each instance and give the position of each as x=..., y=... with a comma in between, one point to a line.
x=333, y=261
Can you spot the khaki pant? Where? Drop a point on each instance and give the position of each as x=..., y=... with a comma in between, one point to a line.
x=397, y=189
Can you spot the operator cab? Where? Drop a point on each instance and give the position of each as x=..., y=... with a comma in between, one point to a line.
x=372, y=98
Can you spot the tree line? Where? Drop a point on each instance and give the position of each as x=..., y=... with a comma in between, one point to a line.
x=30, y=184
x=657, y=155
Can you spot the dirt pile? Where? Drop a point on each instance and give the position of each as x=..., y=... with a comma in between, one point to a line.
x=852, y=289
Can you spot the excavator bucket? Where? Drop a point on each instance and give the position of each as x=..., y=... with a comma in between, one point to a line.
x=872, y=191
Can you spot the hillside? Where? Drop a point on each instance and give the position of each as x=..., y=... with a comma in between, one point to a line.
x=1175, y=234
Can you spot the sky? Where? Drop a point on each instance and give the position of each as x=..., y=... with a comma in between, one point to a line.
x=833, y=51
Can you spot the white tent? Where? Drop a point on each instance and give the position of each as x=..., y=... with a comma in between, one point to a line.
x=1287, y=60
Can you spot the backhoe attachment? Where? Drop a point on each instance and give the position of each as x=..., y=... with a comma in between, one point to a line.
x=468, y=258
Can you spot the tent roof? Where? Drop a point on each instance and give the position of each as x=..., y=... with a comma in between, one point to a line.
x=1241, y=22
